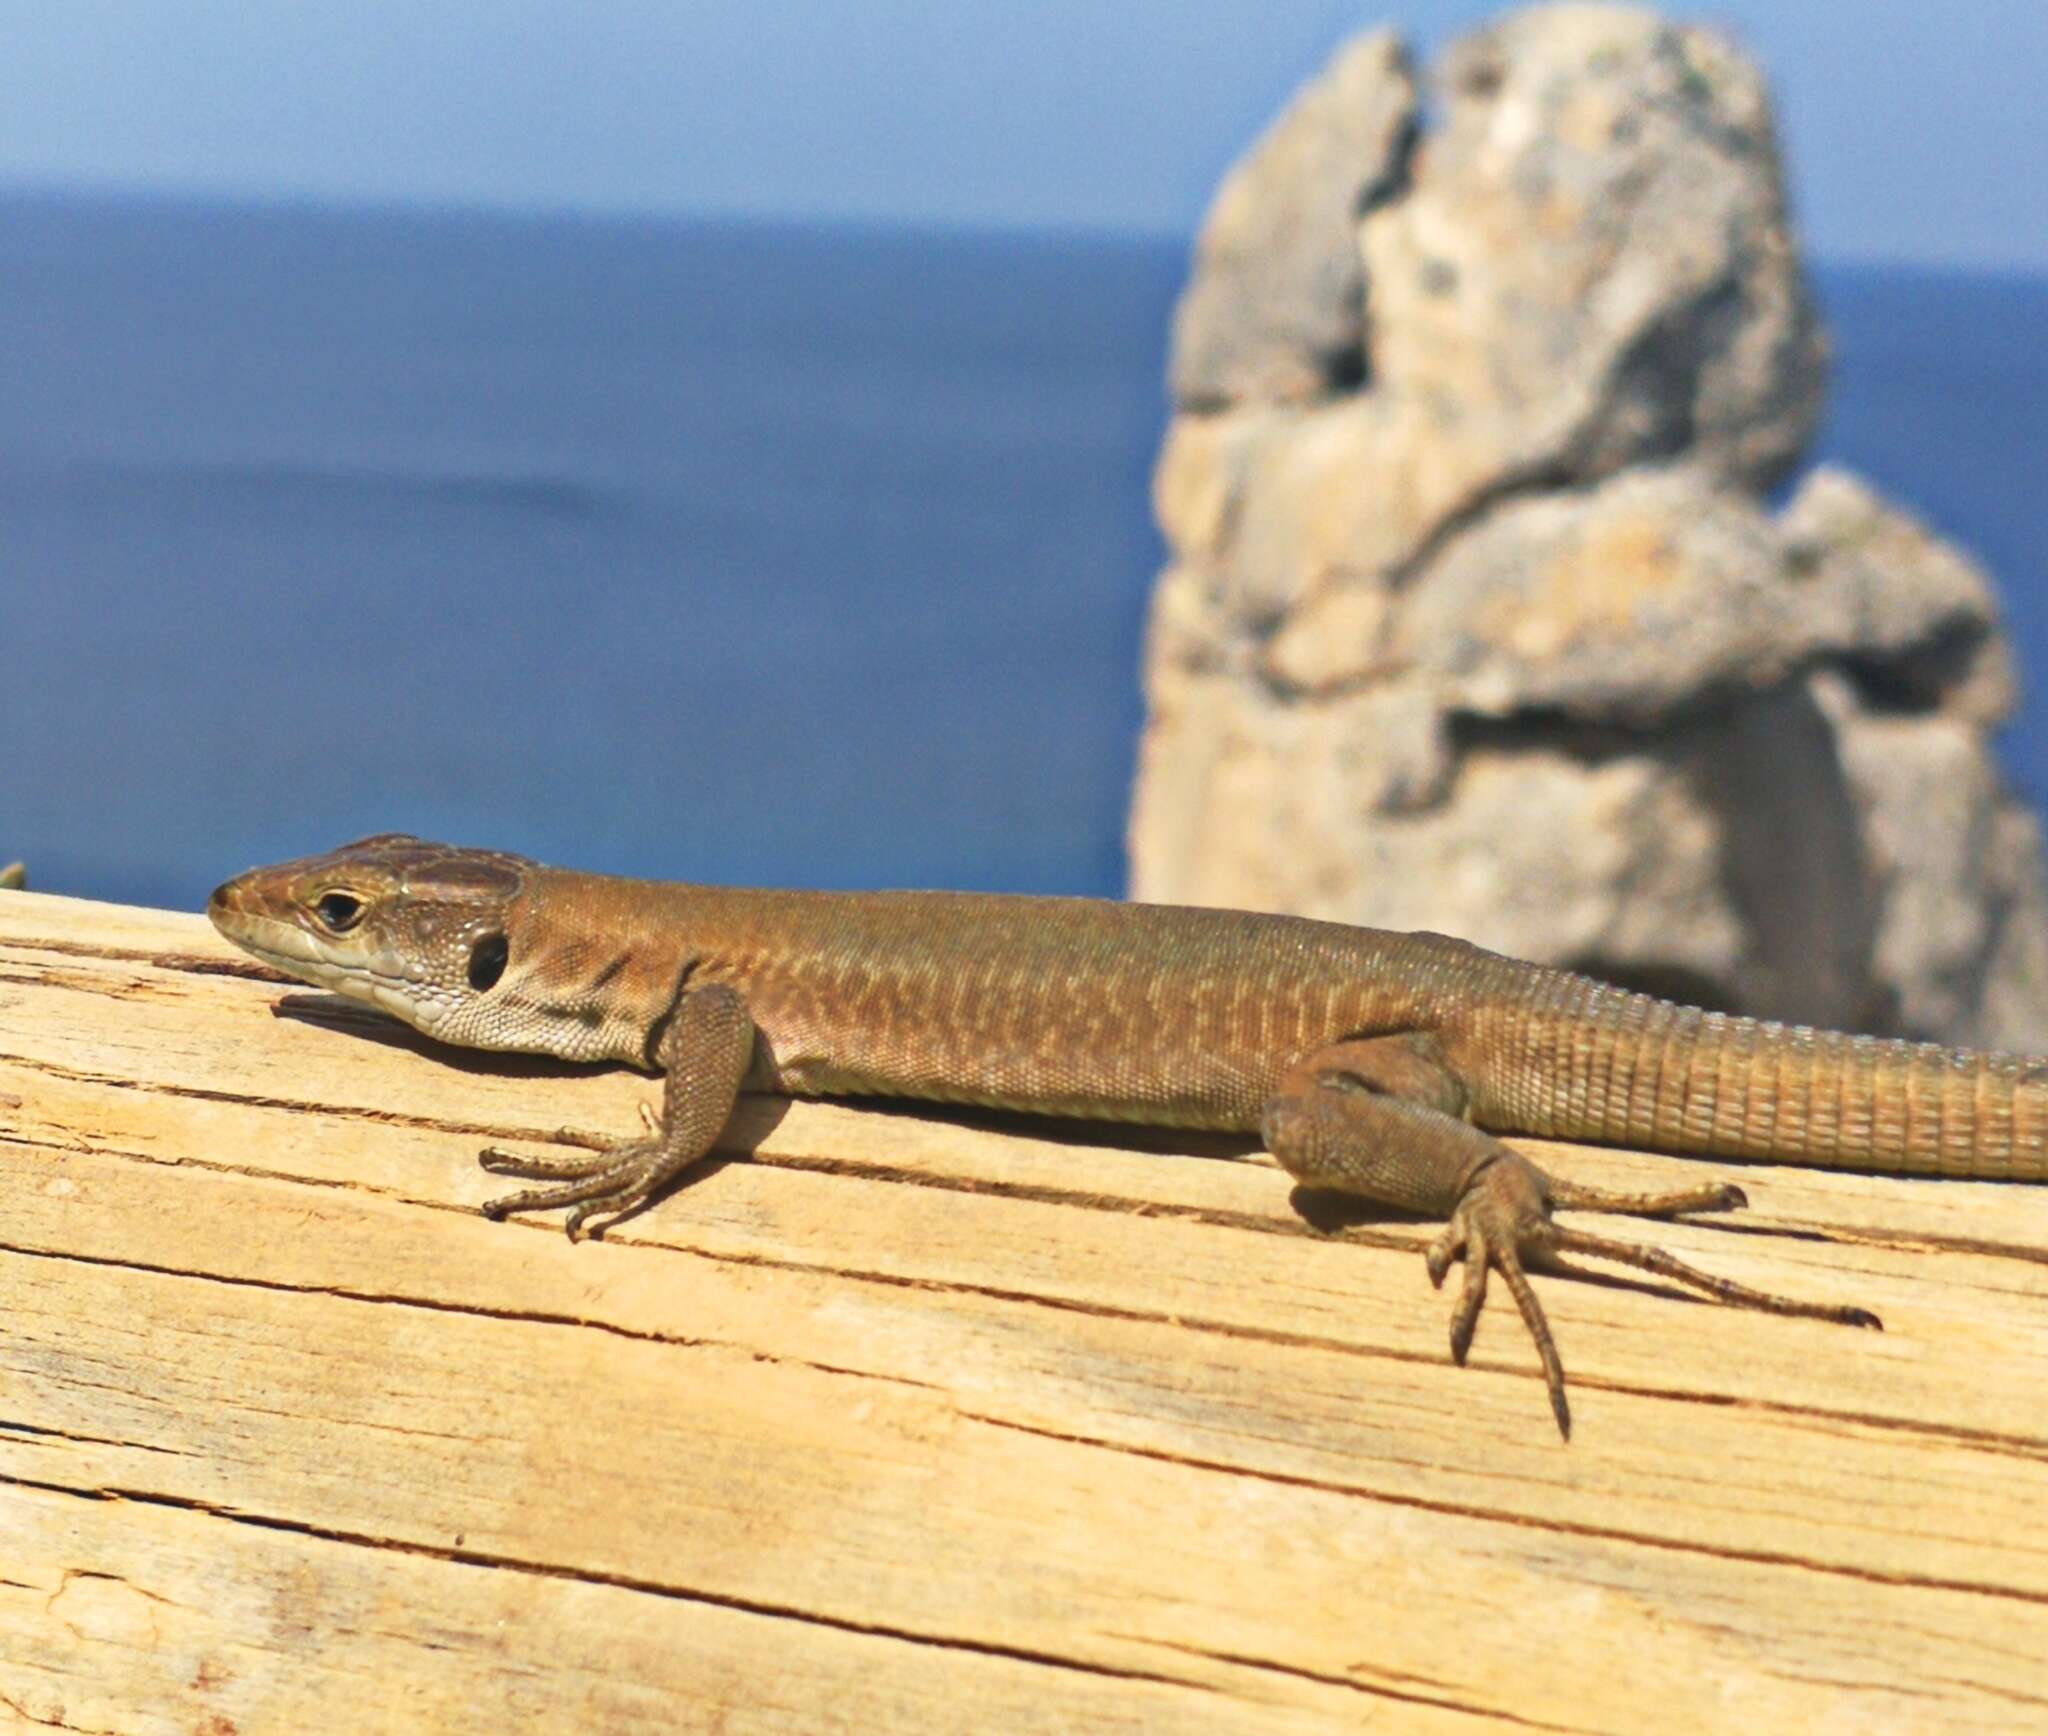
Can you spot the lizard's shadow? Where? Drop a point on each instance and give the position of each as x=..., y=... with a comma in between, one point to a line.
x=1071, y=1131
x=1331, y=1214
x=336, y=1013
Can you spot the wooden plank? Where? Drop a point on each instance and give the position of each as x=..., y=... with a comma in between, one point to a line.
x=136, y=1616
x=932, y=1422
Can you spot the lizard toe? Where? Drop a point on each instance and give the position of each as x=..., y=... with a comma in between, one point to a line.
x=499, y=1161
x=617, y=1182
x=1448, y=1246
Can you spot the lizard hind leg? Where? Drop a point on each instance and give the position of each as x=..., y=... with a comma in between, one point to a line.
x=1383, y=1119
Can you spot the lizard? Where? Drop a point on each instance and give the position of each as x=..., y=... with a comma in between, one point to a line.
x=1380, y=1065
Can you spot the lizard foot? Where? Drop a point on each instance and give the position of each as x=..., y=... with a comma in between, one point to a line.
x=499, y=1161
x=617, y=1183
x=1503, y=1213
x=1504, y=1220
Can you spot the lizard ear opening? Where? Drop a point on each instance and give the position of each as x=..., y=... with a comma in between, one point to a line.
x=487, y=962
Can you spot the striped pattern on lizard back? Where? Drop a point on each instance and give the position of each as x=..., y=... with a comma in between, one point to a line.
x=1059, y=1006
x=1190, y=1017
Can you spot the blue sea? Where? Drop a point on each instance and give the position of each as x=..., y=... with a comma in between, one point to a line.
x=788, y=555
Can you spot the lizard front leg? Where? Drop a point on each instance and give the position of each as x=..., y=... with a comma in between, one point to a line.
x=704, y=1052
x=1384, y=1118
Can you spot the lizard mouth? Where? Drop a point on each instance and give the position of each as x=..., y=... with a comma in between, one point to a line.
x=326, y=966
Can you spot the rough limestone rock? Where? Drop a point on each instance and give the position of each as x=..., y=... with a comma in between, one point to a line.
x=1277, y=307
x=1491, y=629
x=1594, y=252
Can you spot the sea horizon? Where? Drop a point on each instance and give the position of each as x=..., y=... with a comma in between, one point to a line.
x=722, y=548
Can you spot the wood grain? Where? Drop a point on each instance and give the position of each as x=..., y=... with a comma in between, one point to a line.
x=933, y=1424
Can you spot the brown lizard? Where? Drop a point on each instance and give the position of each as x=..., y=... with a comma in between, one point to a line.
x=1374, y=1064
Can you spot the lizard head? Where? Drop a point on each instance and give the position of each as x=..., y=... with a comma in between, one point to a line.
x=415, y=928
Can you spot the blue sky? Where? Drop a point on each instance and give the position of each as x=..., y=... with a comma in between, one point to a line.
x=1916, y=131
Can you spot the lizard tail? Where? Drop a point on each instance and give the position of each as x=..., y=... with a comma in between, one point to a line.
x=1598, y=1063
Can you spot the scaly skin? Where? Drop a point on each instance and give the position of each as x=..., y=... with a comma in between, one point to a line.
x=1375, y=1064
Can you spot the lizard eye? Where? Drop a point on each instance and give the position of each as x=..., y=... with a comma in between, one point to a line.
x=487, y=962
x=338, y=911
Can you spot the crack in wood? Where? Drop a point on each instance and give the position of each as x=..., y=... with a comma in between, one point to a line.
x=1526, y=1521
x=434, y=1305
x=187, y=963
x=1377, y=1690
x=22, y=1430
x=57, y=1722
x=619, y=1581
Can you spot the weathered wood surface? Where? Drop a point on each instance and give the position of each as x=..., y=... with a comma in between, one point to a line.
x=930, y=1424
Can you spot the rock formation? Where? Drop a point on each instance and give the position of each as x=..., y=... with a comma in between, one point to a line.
x=1478, y=617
